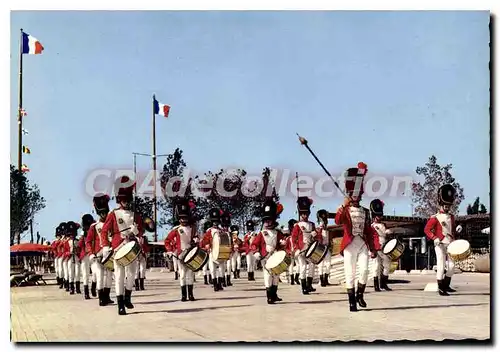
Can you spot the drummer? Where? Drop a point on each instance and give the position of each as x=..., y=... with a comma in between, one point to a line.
x=440, y=228
x=269, y=240
x=140, y=274
x=247, y=241
x=303, y=234
x=225, y=222
x=207, y=276
x=94, y=245
x=123, y=225
x=87, y=220
x=237, y=248
x=381, y=264
x=323, y=238
x=217, y=268
x=293, y=274
x=179, y=241
x=55, y=254
x=359, y=241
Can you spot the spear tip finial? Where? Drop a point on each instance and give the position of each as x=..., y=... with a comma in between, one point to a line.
x=302, y=140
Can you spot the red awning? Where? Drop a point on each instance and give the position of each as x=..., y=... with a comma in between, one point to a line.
x=29, y=247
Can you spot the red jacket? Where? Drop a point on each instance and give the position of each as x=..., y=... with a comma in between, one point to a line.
x=206, y=242
x=92, y=241
x=53, y=248
x=80, y=248
x=434, y=227
x=259, y=243
x=342, y=217
x=298, y=236
x=116, y=225
x=246, y=243
x=289, y=245
x=60, y=248
x=145, y=245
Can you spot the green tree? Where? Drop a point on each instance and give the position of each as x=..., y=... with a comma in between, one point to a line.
x=25, y=203
x=425, y=195
x=476, y=208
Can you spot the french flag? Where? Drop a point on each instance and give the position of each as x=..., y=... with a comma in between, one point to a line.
x=160, y=109
x=31, y=45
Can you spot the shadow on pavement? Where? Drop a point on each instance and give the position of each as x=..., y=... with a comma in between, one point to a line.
x=190, y=310
x=423, y=307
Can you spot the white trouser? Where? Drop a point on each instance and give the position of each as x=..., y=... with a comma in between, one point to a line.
x=355, y=254
x=441, y=258
x=65, y=269
x=141, y=268
x=269, y=279
x=381, y=265
x=324, y=266
x=305, y=269
x=217, y=269
x=74, y=270
x=120, y=273
x=104, y=277
x=186, y=275
x=236, y=261
x=175, y=262
x=85, y=269
x=58, y=267
x=250, y=262
x=206, y=268
x=292, y=269
x=229, y=262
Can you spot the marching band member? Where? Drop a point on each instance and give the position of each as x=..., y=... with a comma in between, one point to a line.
x=269, y=240
x=237, y=247
x=323, y=237
x=93, y=243
x=293, y=275
x=175, y=260
x=87, y=220
x=73, y=260
x=179, y=241
x=247, y=242
x=217, y=268
x=225, y=222
x=440, y=228
x=123, y=225
x=381, y=264
x=359, y=237
x=170, y=254
x=64, y=250
x=140, y=274
x=207, y=277
x=55, y=254
x=60, y=254
x=303, y=234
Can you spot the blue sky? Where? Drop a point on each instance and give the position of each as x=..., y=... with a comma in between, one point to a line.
x=386, y=88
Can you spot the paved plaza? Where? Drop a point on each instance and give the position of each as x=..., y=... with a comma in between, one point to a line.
x=240, y=313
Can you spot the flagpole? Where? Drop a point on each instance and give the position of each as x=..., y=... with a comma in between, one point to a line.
x=19, y=115
x=154, y=170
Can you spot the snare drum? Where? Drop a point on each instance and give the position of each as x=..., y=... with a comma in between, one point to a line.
x=195, y=259
x=221, y=247
x=316, y=252
x=335, y=246
x=459, y=250
x=393, y=249
x=107, y=261
x=128, y=253
x=278, y=262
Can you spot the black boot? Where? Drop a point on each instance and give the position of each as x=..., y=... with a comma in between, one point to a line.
x=235, y=276
x=326, y=280
x=270, y=298
x=141, y=284
x=222, y=283
x=107, y=299
x=446, y=284
x=215, y=282
x=121, y=305
x=136, y=284
x=228, y=280
x=352, y=300
x=359, y=295
x=190, y=293
x=66, y=286
x=310, y=287
x=58, y=281
x=205, y=279
x=93, y=288
x=86, y=291
x=210, y=279
x=238, y=273
x=251, y=276
x=102, y=301
x=297, y=279
x=376, y=287
x=61, y=283
x=176, y=276
x=275, y=293
x=442, y=289
x=383, y=283
x=128, y=299
x=291, y=281
x=183, y=294
x=305, y=291
x=322, y=280
x=77, y=284
x=71, y=288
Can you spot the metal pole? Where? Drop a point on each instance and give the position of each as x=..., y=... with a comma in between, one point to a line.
x=154, y=170
x=19, y=115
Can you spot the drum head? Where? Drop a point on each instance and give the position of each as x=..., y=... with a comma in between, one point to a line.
x=311, y=248
x=389, y=246
x=125, y=249
x=191, y=254
x=458, y=247
x=106, y=258
x=275, y=259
